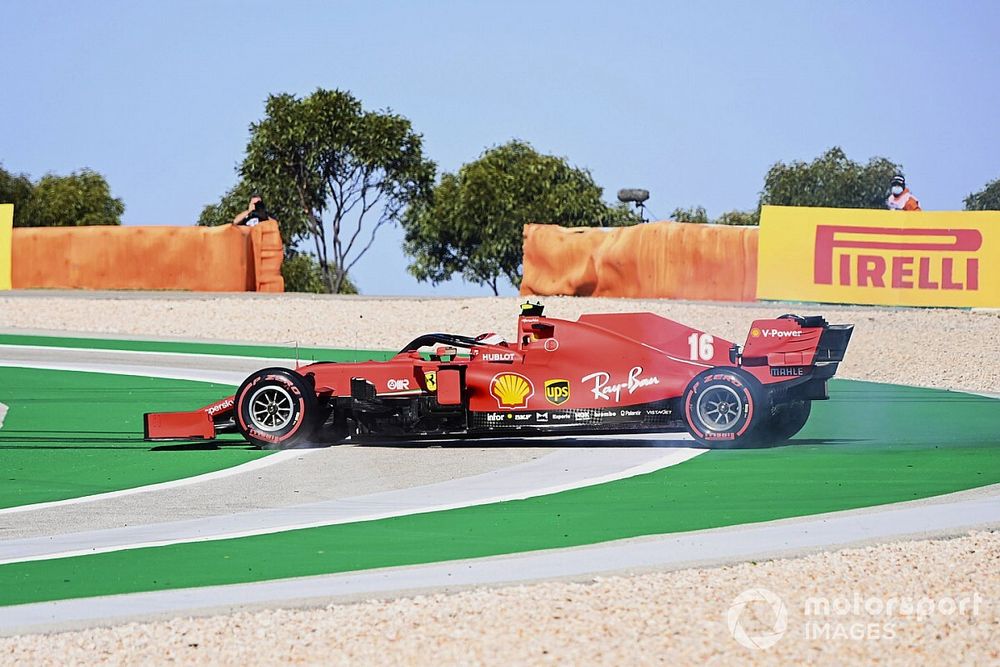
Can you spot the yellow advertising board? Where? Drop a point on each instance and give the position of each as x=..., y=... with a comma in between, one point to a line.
x=6, y=233
x=896, y=258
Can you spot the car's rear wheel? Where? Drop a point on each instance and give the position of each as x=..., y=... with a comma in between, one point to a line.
x=722, y=408
x=276, y=409
x=788, y=421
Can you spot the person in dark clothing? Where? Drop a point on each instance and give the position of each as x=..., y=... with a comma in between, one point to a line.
x=255, y=213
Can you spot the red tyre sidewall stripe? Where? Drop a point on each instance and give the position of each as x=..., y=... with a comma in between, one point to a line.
x=749, y=419
x=687, y=410
x=735, y=382
x=292, y=390
x=239, y=403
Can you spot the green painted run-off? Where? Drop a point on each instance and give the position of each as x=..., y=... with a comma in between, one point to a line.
x=871, y=444
x=69, y=434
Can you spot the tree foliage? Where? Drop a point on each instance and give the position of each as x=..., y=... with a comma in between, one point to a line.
x=16, y=189
x=744, y=218
x=831, y=180
x=332, y=174
x=301, y=270
x=473, y=225
x=987, y=199
x=696, y=214
x=302, y=274
x=81, y=198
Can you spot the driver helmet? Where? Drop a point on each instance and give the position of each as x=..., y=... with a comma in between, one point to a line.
x=491, y=339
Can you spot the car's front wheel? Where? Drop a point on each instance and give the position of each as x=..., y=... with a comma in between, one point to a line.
x=276, y=409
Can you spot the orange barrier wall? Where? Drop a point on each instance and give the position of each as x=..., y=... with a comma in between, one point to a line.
x=210, y=259
x=664, y=260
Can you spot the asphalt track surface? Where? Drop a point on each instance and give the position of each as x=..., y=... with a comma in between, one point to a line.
x=375, y=477
x=949, y=514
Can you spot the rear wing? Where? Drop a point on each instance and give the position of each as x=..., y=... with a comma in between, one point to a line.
x=833, y=342
x=792, y=340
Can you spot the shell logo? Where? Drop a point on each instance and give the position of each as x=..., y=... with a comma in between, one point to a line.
x=755, y=333
x=511, y=390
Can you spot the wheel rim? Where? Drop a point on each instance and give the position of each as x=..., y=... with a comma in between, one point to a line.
x=271, y=408
x=719, y=407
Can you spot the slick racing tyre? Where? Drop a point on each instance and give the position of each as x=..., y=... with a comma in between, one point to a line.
x=276, y=408
x=788, y=421
x=723, y=408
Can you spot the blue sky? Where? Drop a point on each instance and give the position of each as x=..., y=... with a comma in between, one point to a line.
x=693, y=101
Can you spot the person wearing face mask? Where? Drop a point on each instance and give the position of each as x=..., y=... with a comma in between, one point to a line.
x=900, y=197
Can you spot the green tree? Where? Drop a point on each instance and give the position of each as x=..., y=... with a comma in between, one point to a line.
x=747, y=218
x=16, y=189
x=235, y=200
x=302, y=274
x=82, y=198
x=987, y=199
x=300, y=269
x=473, y=225
x=332, y=173
x=830, y=180
x=695, y=214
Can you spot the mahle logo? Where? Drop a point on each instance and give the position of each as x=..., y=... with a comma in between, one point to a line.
x=920, y=259
x=557, y=391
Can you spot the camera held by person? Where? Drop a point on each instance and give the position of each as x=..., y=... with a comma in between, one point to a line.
x=255, y=213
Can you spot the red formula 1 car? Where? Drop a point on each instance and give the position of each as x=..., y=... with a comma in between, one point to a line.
x=632, y=372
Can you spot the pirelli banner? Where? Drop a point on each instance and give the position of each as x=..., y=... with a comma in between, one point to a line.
x=896, y=258
x=6, y=235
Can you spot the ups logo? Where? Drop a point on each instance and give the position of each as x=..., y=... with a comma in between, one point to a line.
x=557, y=391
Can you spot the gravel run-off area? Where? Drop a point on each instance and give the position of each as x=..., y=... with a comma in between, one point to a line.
x=919, y=602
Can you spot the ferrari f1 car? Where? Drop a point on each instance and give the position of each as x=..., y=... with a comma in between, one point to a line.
x=632, y=372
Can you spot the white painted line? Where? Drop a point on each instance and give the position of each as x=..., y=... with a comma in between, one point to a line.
x=219, y=377
x=201, y=355
x=784, y=538
x=560, y=471
x=563, y=470
x=249, y=466
x=3, y=413
x=222, y=377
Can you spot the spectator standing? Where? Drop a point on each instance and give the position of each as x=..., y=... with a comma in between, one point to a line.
x=900, y=197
